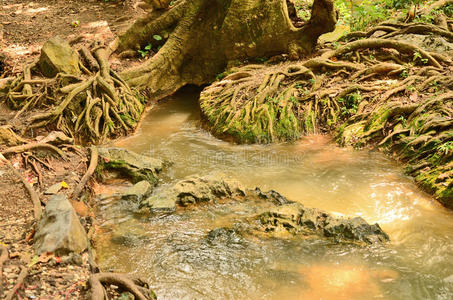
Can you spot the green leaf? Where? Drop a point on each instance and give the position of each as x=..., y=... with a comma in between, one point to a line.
x=149, y=46
x=157, y=37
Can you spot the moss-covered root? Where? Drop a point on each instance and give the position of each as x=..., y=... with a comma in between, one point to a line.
x=421, y=134
x=90, y=107
x=256, y=104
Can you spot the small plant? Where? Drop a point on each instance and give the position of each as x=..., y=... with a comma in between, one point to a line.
x=145, y=52
x=411, y=88
x=402, y=120
x=350, y=104
x=417, y=55
x=404, y=74
x=446, y=148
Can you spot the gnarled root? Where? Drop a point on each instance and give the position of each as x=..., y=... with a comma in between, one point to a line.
x=99, y=105
x=137, y=287
x=257, y=104
x=91, y=168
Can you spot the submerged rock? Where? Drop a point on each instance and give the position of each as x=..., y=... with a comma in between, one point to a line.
x=129, y=164
x=194, y=190
x=59, y=229
x=57, y=56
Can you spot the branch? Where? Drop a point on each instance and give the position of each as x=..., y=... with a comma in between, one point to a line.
x=88, y=174
x=382, y=43
x=30, y=146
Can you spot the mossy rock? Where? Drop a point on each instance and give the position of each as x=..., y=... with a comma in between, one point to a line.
x=57, y=56
x=128, y=164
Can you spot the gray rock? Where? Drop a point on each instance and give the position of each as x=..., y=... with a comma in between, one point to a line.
x=297, y=219
x=194, y=190
x=431, y=43
x=53, y=189
x=138, y=191
x=57, y=56
x=129, y=164
x=160, y=203
x=59, y=229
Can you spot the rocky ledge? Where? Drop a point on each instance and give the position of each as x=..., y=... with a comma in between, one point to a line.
x=279, y=215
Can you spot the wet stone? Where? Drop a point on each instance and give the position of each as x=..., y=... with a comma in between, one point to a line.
x=59, y=230
x=131, y=165
x=138, y=191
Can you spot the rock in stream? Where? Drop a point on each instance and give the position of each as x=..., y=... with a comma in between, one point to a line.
x=278, y=217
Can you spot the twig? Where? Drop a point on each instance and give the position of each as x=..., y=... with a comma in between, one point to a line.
x=35, y=167
x=30, y=146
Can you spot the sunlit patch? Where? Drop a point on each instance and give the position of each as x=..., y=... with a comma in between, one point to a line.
x=341, y=282
x=96, y=24
x=15, y=50
x=12, y=6
x=31, y=11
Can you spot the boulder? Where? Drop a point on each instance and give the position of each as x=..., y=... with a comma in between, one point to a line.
x=129, y=164
x=194, y=190
x=297, y=219
x=138, y=191
x=57, y=56
x=59, y=230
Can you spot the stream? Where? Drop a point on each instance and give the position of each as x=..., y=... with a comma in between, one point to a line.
x=173, y=253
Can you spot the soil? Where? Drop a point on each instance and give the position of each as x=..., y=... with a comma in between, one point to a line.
x=28, y=24
x=24, y=27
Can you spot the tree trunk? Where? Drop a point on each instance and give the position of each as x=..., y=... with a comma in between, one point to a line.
x=202, y=36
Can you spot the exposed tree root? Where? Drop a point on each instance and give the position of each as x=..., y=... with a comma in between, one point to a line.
x=256, y=104
x=91, y=168
x=188, y=57
x=137, y=287
x=90, y=108
x=33, y=145
x=383, y=43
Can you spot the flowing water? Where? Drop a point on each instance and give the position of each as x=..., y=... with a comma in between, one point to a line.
x=174, y=253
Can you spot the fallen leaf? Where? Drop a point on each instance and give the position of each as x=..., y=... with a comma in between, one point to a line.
x=33, y=261
x=45, y=257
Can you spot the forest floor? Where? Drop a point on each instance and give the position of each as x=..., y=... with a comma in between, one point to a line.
x=24, y=27
x=28, y=24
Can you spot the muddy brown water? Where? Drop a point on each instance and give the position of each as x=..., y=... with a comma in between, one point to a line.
x=172, y=251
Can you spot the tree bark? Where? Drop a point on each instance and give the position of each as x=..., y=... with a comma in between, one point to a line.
x=204, y=35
